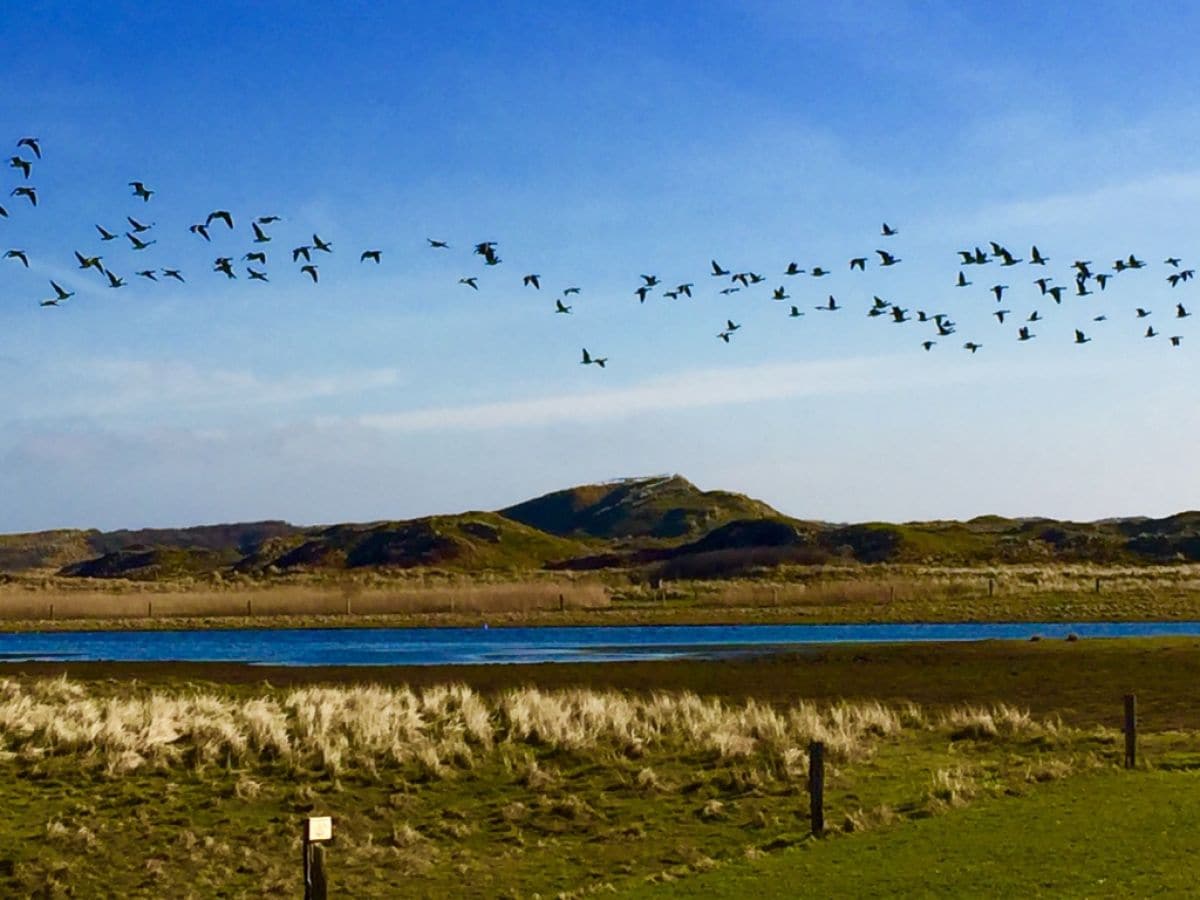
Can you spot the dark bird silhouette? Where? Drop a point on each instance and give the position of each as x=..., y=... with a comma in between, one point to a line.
x=730, y=326
x=817, y=272
x=1081, y=289
x=442, y=245
x=323, y=246
x=795, y=313
x=642, y=292
x=1007, y=259
x=29, y=193
x=1175, y=279
x=471, y=282
x=113, y=280
x=1102, y=279
x=899, y=315
x=962, y=281
x=972, y=346
x=260, y=236
x=1172, y=261
x=257, y=256
x=560, y=307
x=51, y=302
x=535, y=280
x=1034, y=316
x=201, y=230
x=981, y=258
x=1176, y=340
x=147, y=274
x=730, y=290
x=138, y=243
x=24, y=165
x=1081, y=267
x=223, y=214
x=718, y=272
x=3, y=213
x=483, y=248
x=140, y=190
x=792, y=269
x=1100, y=319
x=886, y=259
x=880, y=303
x=685, y=289
x=89, y=262
x=1001, y=313
x=1150, y=332
x=18, y=254
x=224, y=264
x=888, y=231
x=173, y=273
x=831, y=306
x=268, y=220
x=1036, y=258
x=1056, y=293
x=588, y=360
x=928, y=345
x=779, y=294
x=567, y=292
x=256, y=275
x=311, y=271
x=1142, y=313
x=859, y=262
x=998, y=290
x=671, y=295
x=1134, y=263
x=375, y=255
x=298, y=252
x=724, y=335
x=1042, y=283
x=60, y=293
x=945, y=329
x=743, y=277
x=1181, y=312
x=1080, y=337
x=33, y=144
x=651, y=280
x=137, y=226
x=1023, y=334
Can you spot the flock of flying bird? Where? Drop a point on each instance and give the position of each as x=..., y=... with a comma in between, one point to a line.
x=253, y=265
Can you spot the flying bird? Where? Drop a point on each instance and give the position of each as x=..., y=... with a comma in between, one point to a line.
x=928, y=345
x=972, y=346
x=140, y=190
x=323, y=246
x=1080, y=337
x=223, y=214
x=18, y=254
x=89, y=262
x=780, y=294
x=535, y=280
x=24, y=165
x=471, y=282
x=588, y=360
x=1181, y=312
x=718, y=272
x=60, y=293
x=173, y=273
x=1142, y=313
x=298, y=252
x=1176, y=340
x=148, y=274
x=962, y=281
x=374, y=255
x=1023, y=334
x=260, y=236
x=651, y=280
x=817, y=272
x=859, y=262
x=137, y=226
x=33, y=144
x=1001, y=313
x=30, y=193
x=831, y=306
x=268, y=220
x=888, y=231
x=567, y=292
x=886, y=259
x=138, y=243
x=311, y=270
x=201, y=230
x=792, y=269
x=795, y=313
x=560, y=307
x=1036, y=258
x=113, y=280
x=730, y=326
x=1150, y=332
x=256, y=275
x=258, y=257
x=998, y=290
x=442, y=245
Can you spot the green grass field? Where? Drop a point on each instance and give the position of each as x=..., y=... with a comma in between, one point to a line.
x=1114, y=834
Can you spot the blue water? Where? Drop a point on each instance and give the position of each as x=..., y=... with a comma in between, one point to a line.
x=482, y=646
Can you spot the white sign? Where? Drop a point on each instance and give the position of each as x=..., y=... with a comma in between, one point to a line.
x=320, y=828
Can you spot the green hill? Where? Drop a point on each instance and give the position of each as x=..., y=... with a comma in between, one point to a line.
x=663, y=507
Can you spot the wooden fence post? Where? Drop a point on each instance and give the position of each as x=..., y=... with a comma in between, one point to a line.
x=51, y=612
x=316, y=830
x=249, y=607
x=816, y=787
x=1130, y=731
x=149, y=609
x=991, y=586
x=1097, y=585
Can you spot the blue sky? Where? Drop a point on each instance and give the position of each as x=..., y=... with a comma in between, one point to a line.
x=595, y=142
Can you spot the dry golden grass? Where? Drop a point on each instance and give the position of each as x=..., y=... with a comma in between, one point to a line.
x=54, y=599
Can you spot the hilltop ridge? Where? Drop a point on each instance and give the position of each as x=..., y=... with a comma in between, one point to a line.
x=662, y=524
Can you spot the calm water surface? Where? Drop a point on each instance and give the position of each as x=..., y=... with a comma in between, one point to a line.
x=460, y=646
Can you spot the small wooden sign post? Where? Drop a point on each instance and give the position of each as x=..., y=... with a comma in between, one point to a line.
x=316, y=830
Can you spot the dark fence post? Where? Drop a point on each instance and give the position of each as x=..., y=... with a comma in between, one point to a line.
x=991, y=586
x=1130, y=731
x=1097, y=585
x=816, y=787
x=316, y=830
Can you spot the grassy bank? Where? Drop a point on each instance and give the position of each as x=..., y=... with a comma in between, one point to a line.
x=193, y=791
x=813, y=594
x=1102, y=835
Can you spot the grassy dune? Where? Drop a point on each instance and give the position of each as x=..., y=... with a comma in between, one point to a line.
x=440, y=791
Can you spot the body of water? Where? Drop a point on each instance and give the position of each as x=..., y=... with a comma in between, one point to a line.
x=484, y=646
